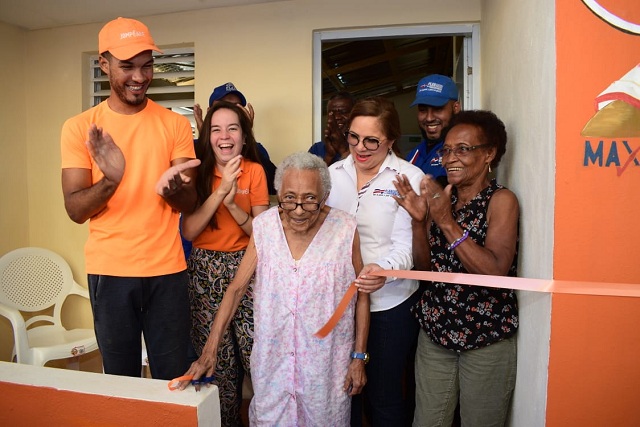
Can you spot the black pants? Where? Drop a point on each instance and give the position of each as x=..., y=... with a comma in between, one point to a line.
x=392, y=340
x=125, y=307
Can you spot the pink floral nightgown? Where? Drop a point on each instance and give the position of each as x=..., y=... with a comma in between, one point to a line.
x=297, y=378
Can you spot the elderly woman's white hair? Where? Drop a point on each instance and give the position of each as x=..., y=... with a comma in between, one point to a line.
x=303, y=160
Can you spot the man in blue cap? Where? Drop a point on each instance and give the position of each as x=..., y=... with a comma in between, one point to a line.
x=228, y=92
x=437, y=101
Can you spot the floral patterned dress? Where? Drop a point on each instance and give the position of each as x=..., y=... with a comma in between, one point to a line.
x=297, y=378
x=462, y=317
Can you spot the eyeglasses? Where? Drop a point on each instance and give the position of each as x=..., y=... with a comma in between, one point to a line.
x=459, y=151
x=306, y=206
x=369, y=142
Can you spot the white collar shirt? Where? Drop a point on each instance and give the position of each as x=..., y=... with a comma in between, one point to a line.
x=384, y=226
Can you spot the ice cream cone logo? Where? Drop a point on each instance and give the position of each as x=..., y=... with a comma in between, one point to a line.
x=618, y=106
x=617, y=109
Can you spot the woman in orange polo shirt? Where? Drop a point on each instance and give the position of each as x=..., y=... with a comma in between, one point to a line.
x=232, y=190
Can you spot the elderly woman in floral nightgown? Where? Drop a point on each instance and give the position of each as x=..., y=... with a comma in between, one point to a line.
x=304, y=255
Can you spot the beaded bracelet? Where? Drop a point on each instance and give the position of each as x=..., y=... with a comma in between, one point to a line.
x=459, y=240
x=245, y=221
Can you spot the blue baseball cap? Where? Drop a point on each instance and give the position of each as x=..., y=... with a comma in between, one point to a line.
x=224, y=90
x=435, y=90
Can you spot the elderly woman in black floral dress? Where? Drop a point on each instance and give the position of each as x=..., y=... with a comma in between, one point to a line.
x=467, y=346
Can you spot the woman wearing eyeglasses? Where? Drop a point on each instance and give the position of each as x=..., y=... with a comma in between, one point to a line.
x=467, y=346
x=363, y=186
x=304, y=255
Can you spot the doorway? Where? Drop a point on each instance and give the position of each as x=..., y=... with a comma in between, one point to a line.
x=389, y=61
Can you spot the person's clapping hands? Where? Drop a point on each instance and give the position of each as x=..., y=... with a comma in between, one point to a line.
x=229, y=184
x=439, y=199
x=335, y=141
x=106, y=154
x=248, y=111
x=433, y=200
x=174, y=179
x=417, y=205
x=197, y=116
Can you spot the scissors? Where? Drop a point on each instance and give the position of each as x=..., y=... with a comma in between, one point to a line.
x=173, y=384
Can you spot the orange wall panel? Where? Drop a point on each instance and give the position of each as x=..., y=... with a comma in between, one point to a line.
x=594, y=376
x=593, y=371
x=25, y=405
x=595, y=206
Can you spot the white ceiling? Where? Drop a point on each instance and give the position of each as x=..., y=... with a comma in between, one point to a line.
x=39, y=14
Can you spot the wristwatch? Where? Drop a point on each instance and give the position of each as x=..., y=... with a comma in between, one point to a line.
x=361, y=356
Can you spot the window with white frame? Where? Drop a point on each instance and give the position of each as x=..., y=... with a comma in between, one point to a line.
x=173, y=84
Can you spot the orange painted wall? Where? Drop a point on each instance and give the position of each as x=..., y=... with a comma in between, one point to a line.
x=594, y=374
x=28, y=406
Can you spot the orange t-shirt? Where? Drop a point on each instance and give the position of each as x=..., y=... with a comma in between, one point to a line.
x=252, y=191
x=136, y=235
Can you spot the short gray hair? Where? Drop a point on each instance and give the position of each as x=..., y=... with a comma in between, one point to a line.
x=303, y=160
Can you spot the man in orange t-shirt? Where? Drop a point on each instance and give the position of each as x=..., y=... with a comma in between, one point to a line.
x=126, y=167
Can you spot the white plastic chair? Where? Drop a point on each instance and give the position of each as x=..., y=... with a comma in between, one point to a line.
x=145, y=358
x=32, y=280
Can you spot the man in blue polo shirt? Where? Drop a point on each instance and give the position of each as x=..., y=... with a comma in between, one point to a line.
x=437, y=101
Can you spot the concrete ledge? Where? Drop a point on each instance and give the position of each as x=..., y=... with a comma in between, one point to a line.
x=34, y=395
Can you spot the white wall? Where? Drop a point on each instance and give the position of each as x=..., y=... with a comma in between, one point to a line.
x=518, y=84
x=14, y=202
x=13, y=144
